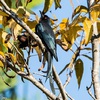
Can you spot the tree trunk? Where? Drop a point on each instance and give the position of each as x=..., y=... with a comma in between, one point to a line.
x=95, y=55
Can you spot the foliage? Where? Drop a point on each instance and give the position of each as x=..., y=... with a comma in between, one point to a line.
x=66, y=33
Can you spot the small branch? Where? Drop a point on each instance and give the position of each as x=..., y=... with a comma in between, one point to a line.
x=69, y=96
x=88, y=89
x=39, y=74
x=66, y=83
x=73, y=59
x=26, y=66
x=68, y=79
x=59, y=83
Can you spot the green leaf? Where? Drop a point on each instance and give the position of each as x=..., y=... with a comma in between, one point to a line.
x=57, y=4
x=11, y=81
x=79, y=71
x=33, y=3
x=87, y=57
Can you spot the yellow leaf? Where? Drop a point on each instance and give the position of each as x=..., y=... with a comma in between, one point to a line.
x=32, y=24
x=1, y=19
x=95, y=12
x=3, y=13
x=63, y=25
x=79, y=10
x=1, y=64
x=21, y=11
x=79, y=71
x=57, y=4
x=69, y=36
x=4, y=34
x=88, y=29
x=2, y=54
x=15, y=28
x=13, y=58
x=20, y=58
x=98, y=25
x=47, y=5
x=3, y=46
x=39, y=52
x=5, y=21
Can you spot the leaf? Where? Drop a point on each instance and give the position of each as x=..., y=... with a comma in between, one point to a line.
x=98, y=26
x=64, y=69
x=79, y=10
x=69, y=36
x=95, y=12
x=32, y=24
x=13, y=58
x=57, y=4
x=15, y=29
x=87, y=57
x=8, y=2
x=47, y=5
x=88, y=29
x=20, y=58
x=3, y=55
x=63, y=25
x=11, y=81
x=3, y=13
x=87, y=49
x=3, y=47
x=1, y=64
x=39, y=52
x=32, y=4
x=79, y=71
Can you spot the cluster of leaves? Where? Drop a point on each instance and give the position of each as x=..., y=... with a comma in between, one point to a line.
x=66, y=32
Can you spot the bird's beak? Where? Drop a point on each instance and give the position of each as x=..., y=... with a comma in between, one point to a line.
x=42, y=15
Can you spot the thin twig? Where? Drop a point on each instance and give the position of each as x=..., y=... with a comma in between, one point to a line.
x=39, y=74
x=69, y=96
x=88, y=89
x=28, y=58
x=66, y=83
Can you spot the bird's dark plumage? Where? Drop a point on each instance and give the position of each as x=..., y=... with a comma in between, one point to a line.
x=46, y=34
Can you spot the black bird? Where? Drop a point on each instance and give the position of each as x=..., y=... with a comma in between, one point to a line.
x=46, y=34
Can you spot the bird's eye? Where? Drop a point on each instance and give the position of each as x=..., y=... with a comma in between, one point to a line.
x=45, y=17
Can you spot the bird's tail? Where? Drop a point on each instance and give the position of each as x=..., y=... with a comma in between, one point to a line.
x=49, y=72
x=50, y=64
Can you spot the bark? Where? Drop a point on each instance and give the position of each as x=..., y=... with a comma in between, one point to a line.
x=95, y=55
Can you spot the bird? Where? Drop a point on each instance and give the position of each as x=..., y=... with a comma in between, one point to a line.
x=45, y=32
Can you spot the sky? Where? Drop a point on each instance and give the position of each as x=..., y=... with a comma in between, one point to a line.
x=30, y=92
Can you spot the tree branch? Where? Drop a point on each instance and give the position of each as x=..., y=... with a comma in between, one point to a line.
x=88, y=89
x=8, y=11
x=30, y=78
x=59, y=83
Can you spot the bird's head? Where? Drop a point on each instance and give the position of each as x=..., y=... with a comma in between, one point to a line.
x=45, y=18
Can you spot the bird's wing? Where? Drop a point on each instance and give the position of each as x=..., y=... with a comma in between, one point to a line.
x=47, y=37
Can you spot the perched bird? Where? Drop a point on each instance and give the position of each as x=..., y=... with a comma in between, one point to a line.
x=45, y=32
